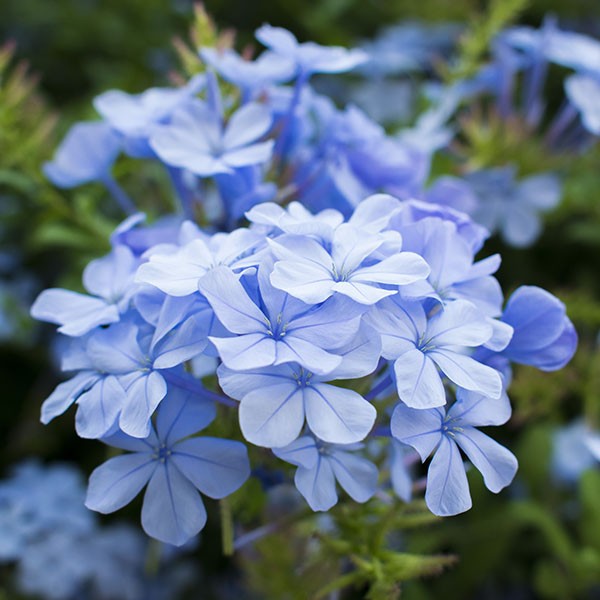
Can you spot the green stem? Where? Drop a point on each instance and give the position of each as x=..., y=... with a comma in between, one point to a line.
x=226, y=527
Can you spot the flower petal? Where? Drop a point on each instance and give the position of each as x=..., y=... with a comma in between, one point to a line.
x=338, y=415
x=272, y=417
x=216, y=467
x=447, y=486
x=118, y=481
x=173, y=511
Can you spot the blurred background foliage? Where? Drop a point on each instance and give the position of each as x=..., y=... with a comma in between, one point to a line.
x=535, y=540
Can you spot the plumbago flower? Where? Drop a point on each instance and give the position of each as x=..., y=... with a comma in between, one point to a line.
x=321, y=465
x=290, y=336
x=175, y=467
x=443, y=432
x=337, y=315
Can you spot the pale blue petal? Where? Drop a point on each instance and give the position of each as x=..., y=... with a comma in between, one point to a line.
x=421, y=429
x=501, y=337
x=460, y=323
x=357, y=476
x=338, y=415
x=374, y=213
x=237, y=385
x=497, y=464
x=184, y=343
x=583, y=91
x=361, y=292
x=536, y=316
x=116, y=349
x=479, y=410
x=447, y=487
x=350, y=247
x=310, y=282
x=231, y=303
x=109, y=277
x=246, y=125
x=294, y=349
x=317, y=485
x=418, y=382
x=246, y=351
x=278, y=39
x=216, y=467
x=360, y=357
x=99, y=408
x=302, y=452
x=173, y=511
x=521, y=226
x=65, y=394
x=181, y=414
x=250, y=155
x=332, y=325
x=273, y=417
x=177, y=274
x=118, y=481
x=121, y=440
x=557, y=354
x=466, y=372
x=400, y=325
x=143, y=396
x=400, y=269
x=77, y=314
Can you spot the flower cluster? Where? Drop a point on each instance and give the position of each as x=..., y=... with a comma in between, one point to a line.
x=64, y=554
x=340, y=315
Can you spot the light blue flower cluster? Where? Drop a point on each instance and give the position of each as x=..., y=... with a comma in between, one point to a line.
x=336, y=306
x=61, y=553
x=510, y=91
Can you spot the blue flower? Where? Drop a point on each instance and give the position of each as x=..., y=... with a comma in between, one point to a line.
x=285, y=330
x=123, y=369
x=453, y=274
x=544, y=337
x=251, y=76
x=108, y=279
x=177, y=271
x=275, y=401
x=413, y=211
x=584, y=93
x=86, y=154
x=174, y=467
x=320, y=465
x=408, y=47
x=309, y=57
x=512, y=208
x=442, y=433
x=134, y=116
x=352, y=268
x=296, y=219
x=353, y=158
x=196, y=140
x=32, y=506
x=575, y=449
x=420, y=346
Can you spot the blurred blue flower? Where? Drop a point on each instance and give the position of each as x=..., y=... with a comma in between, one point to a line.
x=86, y=154
x=134, y=116
x=512, y=207
x=575, y=449
x=309, y=57
x=196, y=140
